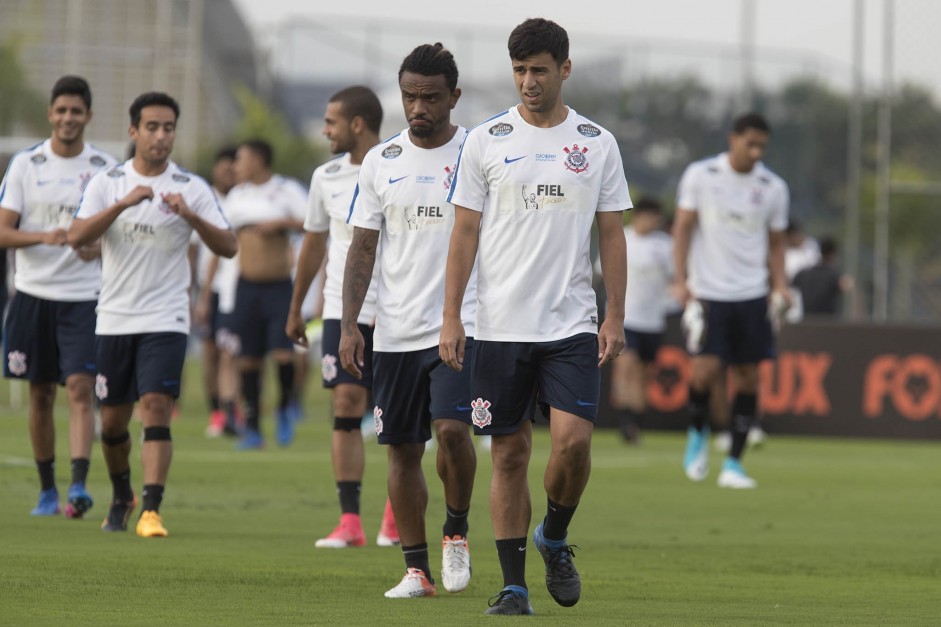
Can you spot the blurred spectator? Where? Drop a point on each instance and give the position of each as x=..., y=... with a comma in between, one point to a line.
x=823, y=285
x=802, y=251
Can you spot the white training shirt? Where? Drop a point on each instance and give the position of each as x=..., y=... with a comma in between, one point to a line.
x=649, y=273
x=277, y=198
x=402, y=192
x=331, y=193
x=539, y=190
x=728, y=255
x=45, y=189
x=145, y=272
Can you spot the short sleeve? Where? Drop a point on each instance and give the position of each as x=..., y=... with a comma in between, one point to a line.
x=295, y=197
x=780, y=209
x=11, y=190
x=317, y=220
x=205, y=204
x=687, y=194
x=366, y=208
x=614, y=195
x=470, y=186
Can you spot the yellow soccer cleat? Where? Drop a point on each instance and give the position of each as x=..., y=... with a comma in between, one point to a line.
x=150, y=525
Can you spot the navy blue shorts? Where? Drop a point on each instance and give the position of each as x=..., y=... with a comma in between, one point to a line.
x=132, y=365
x=643, y=343
x=332, y=372
x=261, y=313
x=413, y=388
x=739, y=332
x=511, y=378
x=46, y=341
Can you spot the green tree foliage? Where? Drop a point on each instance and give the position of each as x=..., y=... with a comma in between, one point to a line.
x=22, y=109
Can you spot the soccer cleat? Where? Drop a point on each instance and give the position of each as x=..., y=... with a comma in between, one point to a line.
x=733, y=476
x=562, y=578
x=455, y=563
x=118, y=514
x=413, y=585
x=250, y=441
x=216, y=424
x=285, y=428
x=150, y=525
x=80, y=501
x=696, y=458
x=388, y=532
x=511, y=601
x=348, y=533
x=48, y=503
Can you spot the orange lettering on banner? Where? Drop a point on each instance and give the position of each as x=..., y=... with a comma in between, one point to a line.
x=876, y=384
x=916, y=387
x=668, y=388
x=776, y=399
x=811, y=397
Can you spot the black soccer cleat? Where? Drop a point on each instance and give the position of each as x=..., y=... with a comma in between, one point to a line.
x=562, y=578
x=510, y=602
x=118, y=514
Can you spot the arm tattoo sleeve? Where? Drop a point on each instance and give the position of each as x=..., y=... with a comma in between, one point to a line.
x=358, y=273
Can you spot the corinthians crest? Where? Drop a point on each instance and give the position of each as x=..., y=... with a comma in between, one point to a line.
x=576, y=161
x=481, y=415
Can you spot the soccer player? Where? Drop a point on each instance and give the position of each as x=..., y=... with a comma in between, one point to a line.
x=538, y=339
x=49, y=337
x=649, y=275
x=264, y=208
x=351, y=124
x=400, y=207
x=729, y=241
x=217, y=365
x=144, y=211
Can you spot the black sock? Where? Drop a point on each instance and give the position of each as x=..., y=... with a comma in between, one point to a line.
x=153, y=495
x=455, y=524
x=417, y=557
x=228, y=408
x=286, y=380
x=121, y=486
x=214, y=403
x=512, y=554
x=251, y=392
x=744, y=408
x=349, y=496
x=556, y=524
x=47, y=473
x=698, y=409
x=79, y=470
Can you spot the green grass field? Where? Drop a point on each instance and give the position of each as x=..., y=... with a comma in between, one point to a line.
x=841, y=532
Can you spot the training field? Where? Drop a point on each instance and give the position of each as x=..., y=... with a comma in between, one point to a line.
x=839, y=533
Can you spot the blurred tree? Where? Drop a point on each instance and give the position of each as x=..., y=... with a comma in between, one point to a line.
x=294, y=155
x=22, y=109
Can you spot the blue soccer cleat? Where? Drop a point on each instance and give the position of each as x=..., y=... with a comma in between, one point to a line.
x=48, y=504
x=80, y=501
x=286, y=417
x=734, y=476
x=250, y=441
x=511, y=601
x=562, y=578
x=696, y=458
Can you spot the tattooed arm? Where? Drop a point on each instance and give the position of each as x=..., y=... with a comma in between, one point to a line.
x=360, y=261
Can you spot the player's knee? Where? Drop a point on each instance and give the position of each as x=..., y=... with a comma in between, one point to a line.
x=42, y=397
x=114, y=437
x=452, y=434
x=157, y=434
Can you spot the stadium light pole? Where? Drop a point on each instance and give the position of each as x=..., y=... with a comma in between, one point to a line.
x=880, y=279
x=747, y=55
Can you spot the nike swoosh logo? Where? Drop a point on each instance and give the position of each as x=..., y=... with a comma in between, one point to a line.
x=508, y=160
x=462, y=408
x=42, y=183
x=336, y=194
x=393, y=181
x=522, y=548
x=582, y=403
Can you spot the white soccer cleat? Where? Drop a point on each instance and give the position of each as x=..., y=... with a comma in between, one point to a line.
x=455, y=563
x=696, y=457
x=413, y=585
x=733, y=476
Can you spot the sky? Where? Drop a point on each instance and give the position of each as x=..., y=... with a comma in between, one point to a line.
x=813, y=33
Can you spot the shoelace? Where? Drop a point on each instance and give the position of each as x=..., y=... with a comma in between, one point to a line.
x=498, y=598
x=456, y=558
x=563, y=558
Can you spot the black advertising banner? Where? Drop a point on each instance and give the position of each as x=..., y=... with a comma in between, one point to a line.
x=830, y=378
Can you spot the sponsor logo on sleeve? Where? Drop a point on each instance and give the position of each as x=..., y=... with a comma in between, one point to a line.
x=391, y=152
x=116, y=173
x=37, y=159
x=180, y=178
x=501, y=130
x=97, y=161
x=332, y=169
x=589, y=130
